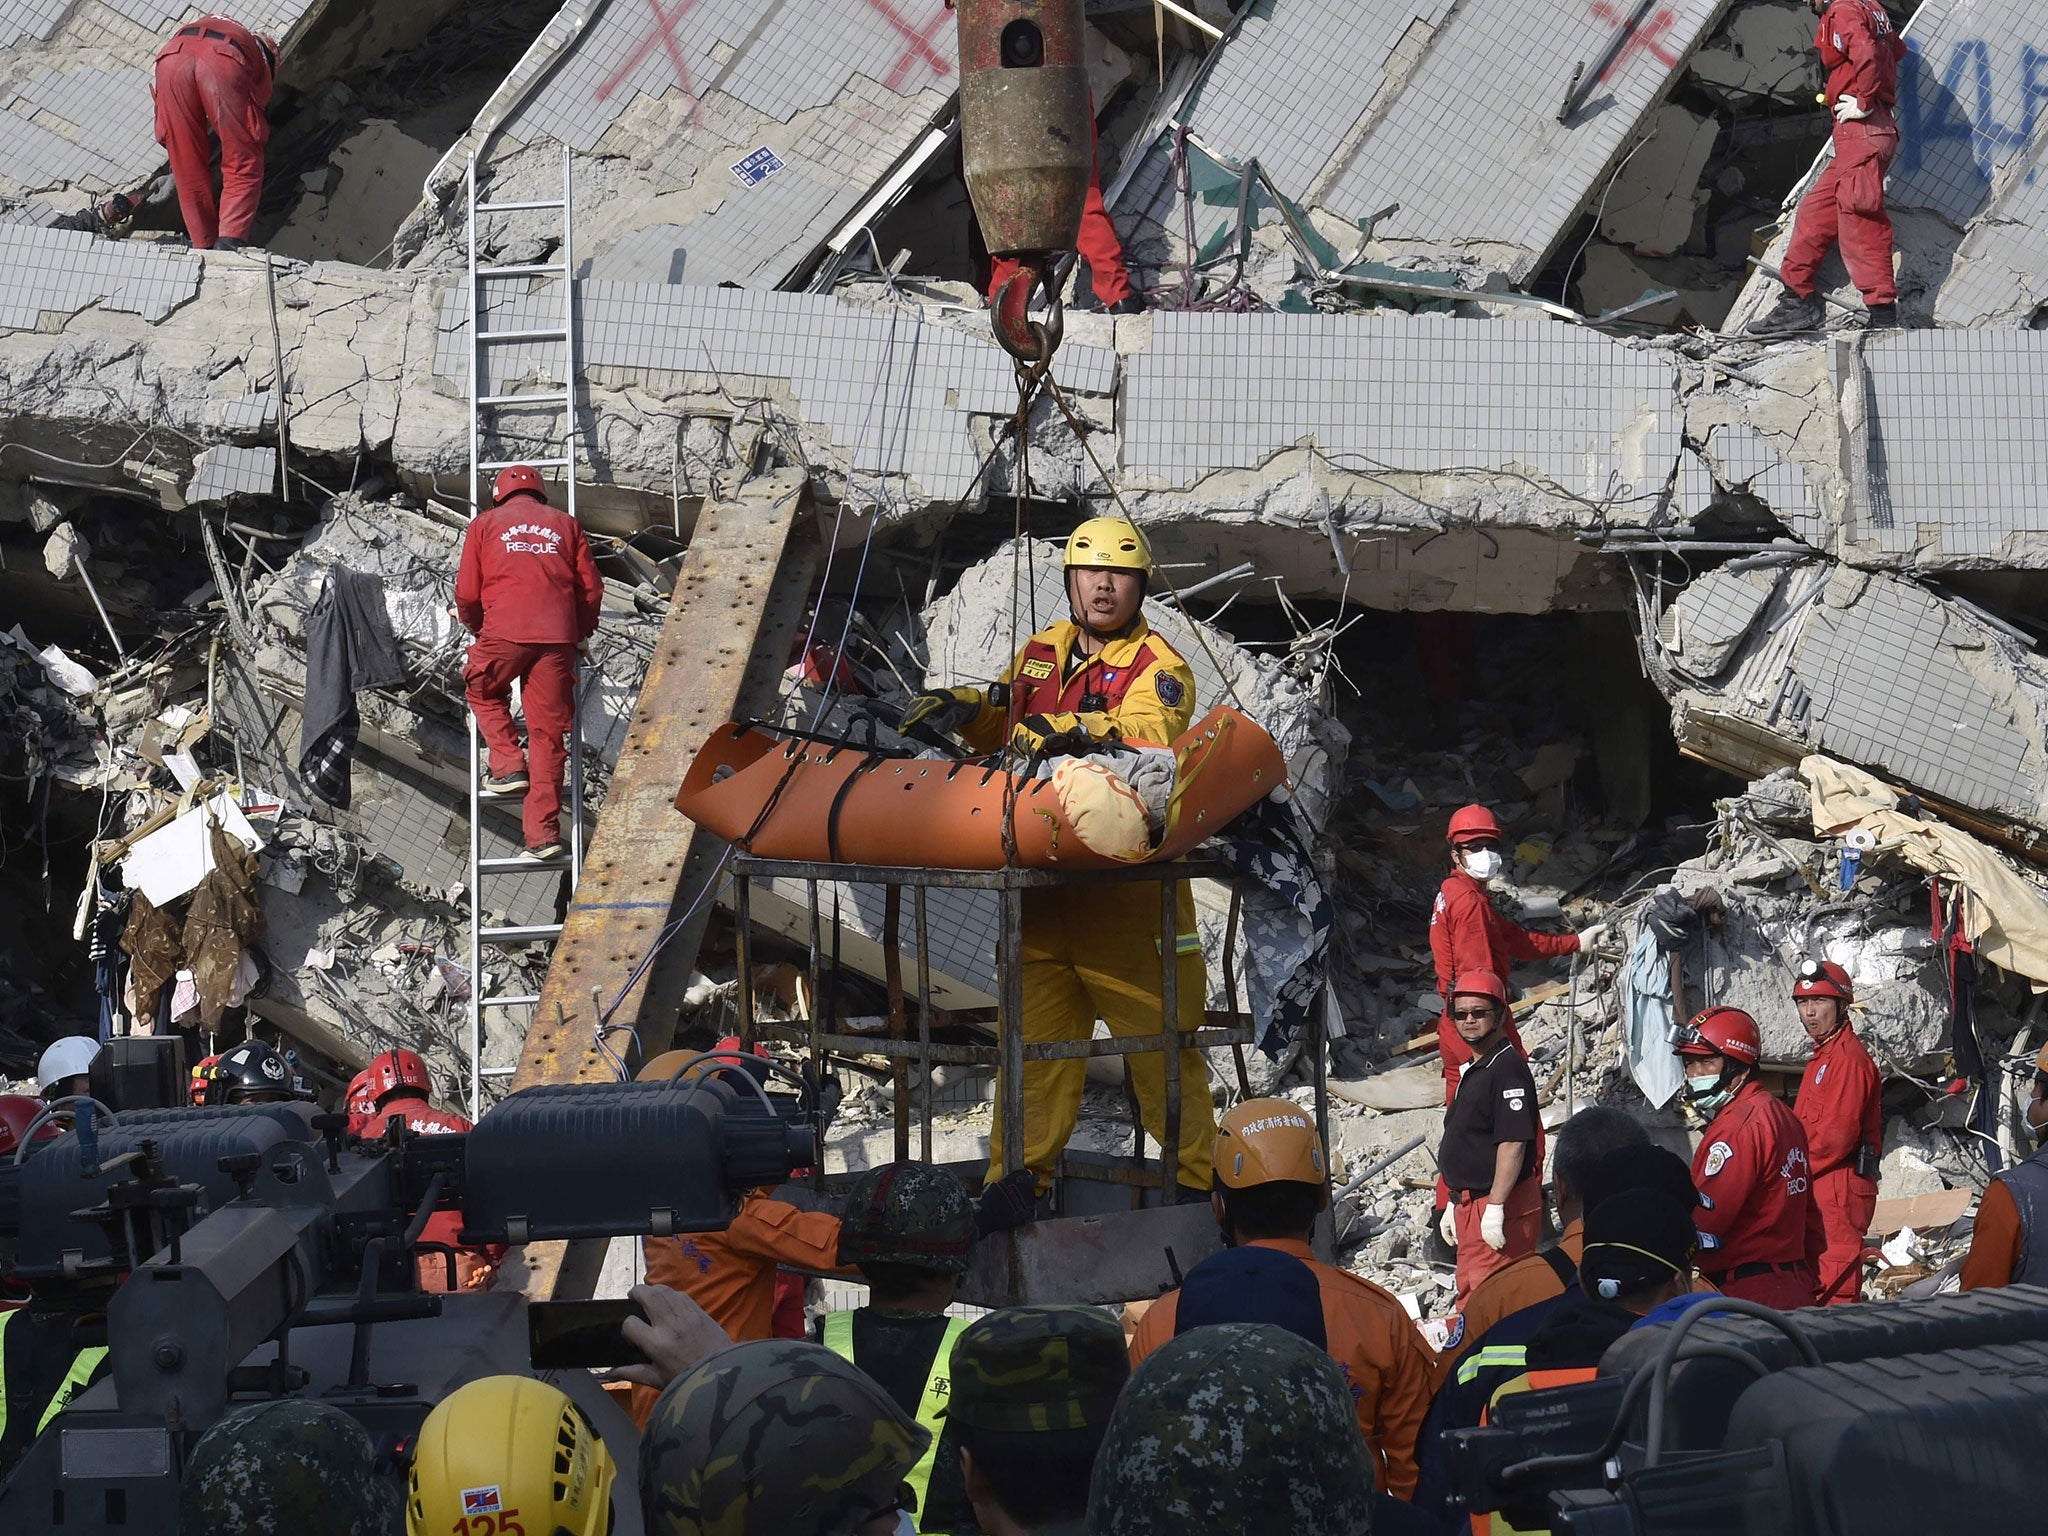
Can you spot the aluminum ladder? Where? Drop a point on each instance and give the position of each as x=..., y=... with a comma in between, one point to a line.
x=558, y=341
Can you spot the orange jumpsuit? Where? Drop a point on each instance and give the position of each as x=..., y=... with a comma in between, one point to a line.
x=1522, y=1282
x=1995, y=1240
x=1838, y=1105
x=1389, y=1367
x=731, y=1274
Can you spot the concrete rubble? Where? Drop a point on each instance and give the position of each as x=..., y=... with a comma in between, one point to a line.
x=1446, y=542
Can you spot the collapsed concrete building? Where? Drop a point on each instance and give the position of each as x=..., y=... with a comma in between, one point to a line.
x=1423, y=422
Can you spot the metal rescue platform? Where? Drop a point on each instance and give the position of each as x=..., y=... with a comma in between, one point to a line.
x=1096, y=1247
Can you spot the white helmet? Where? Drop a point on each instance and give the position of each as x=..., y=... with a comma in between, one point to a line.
x=67, y=1059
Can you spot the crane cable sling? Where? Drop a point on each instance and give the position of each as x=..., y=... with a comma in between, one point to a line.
x=1081, y=436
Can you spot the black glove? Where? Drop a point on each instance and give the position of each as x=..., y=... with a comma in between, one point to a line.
x=1011, y=1201
x=943, y=709
x=1043, y=736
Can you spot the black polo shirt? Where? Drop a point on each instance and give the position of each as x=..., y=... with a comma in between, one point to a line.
x=1496, y=1102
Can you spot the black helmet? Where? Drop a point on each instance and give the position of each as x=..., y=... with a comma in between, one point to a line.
x=249, y=1069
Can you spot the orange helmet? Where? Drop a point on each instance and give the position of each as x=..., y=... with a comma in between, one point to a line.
x=202, y=1074
x=1269, y=1141
x=513, y=481
x=1481, y=984
x=1823, y=978
x=1725, y=1032
x=1472, y=824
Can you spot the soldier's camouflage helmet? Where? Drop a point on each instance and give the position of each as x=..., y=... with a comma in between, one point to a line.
x=776, y=1438
x=1036, y=1370
x=911, y=1214
x=1232, y=1428
x=288, y=1468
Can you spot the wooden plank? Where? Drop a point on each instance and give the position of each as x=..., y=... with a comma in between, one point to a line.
x=737, y=607
x=1942, y=1208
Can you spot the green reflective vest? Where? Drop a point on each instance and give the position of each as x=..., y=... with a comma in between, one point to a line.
x=83, y=1364
x=938, y=1387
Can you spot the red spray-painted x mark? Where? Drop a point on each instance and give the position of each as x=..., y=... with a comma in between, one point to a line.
x=1651, y=38
x=661, y=35
x=918, y=45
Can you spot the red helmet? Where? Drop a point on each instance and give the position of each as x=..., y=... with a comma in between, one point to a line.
x=359, y=1100
x=1473, y=823
x=511, y=482
x=393, y=1070
x=1725, y=1032
x=16, y=1111
x=1823, y=978
x=202, y=1074
x=1480, y=984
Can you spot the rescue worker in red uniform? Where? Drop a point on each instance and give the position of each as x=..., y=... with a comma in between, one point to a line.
x=1491, y=1157
x=529, y=591
x=1760, y=1227
x=1467, y=934
x=213, y=80
x=397, y=1083
x=1846, y=202
x=1838, y=1106
x=1092, y=951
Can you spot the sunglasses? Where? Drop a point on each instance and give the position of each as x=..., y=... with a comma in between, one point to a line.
x=1473, y=1013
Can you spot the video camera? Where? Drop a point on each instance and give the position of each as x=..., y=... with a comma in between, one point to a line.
x=258, y=1249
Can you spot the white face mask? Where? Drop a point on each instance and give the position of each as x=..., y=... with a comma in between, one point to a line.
x=1482, y=863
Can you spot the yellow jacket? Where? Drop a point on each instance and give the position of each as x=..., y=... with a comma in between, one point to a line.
x=1140, y=685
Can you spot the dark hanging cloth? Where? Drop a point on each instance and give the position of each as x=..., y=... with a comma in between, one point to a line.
x=1961, y=957
x=155, y=950
x=349, y=647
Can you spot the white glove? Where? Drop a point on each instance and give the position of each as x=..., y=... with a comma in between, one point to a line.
x=1449, y=1225
x=1592, y=937
x=1493, y=1226
x=1849, y=110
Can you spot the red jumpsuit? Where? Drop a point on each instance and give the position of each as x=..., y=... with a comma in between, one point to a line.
x=214, y=75
x=1751, y=1167
x=1838, y=1106
x=1846, y=202
x=472, y=1265
x=529, y=591
x=1097, y=243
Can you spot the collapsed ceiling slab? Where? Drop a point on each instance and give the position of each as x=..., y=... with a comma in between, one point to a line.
x=1775, y=656
x=1910, y=449
x=1484, y=127
x=720, y=142
x=1970, y=211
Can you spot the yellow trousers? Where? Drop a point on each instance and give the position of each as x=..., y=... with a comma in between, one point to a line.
x=1092, y=952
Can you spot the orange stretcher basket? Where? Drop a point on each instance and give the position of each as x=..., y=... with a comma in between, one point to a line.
x=788, y=798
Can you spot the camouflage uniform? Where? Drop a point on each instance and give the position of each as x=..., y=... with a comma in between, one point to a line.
x=1233, y=1428
x=908, y=1213
x=1038, y=1370
x=776, y=1438
x=288, y=1468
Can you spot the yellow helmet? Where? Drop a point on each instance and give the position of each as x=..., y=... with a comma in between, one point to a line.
x=509, y=1446
x=1114, y=542
x=1268, y=1141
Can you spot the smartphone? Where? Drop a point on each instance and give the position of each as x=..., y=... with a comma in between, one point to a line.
x=580, y=1335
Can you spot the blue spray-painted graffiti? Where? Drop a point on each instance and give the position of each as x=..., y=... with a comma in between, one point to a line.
x=1963, y=119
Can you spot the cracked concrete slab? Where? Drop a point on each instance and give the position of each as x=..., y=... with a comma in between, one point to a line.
x=1805, y=655
x=1452, y=116
x=722, y=142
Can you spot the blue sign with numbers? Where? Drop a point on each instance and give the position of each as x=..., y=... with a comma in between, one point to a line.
x=757, y=167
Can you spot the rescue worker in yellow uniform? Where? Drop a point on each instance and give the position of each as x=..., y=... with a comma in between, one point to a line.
x=1092, y=951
